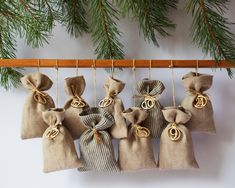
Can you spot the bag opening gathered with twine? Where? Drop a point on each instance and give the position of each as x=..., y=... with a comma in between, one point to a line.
x=198, y=102
x=176, y=147
x=75, y=87
x=114, y=105
x=136, y=151
x=36, y=102
x=95, y=144
x=59, y=150
x=147, y=98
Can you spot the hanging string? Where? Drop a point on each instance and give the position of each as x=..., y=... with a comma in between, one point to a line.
x=173, y=82
x=197, y=64
x=94, y=81
x=134, y=80
x=77, y=63
x=149, y=69
x=112, y=70
x=57, y=83
x=38, y=68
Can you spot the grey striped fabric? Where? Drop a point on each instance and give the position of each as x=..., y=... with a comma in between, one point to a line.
x=155, y=121
x=74, y=87
x=97, y=156
x=112, y=88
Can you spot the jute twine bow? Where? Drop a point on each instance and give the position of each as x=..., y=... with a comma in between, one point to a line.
x=141, y=132
x=77, y=101
x=97, y=136
x=174, y=132
x=53, y=130
x=201, y=99
x=107, y=101
x=39, y=96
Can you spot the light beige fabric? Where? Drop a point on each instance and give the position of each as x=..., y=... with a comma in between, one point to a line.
x=176, y=154
x=37, y=101
x=136, y=151
x=202, y=118
x=112, y=88
x=59, y=151
x=75, y=87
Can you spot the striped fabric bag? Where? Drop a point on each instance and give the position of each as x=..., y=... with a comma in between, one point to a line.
x=136, y=151
x=75, y=87
x=37, y=101
x=95, y=145
x=198, y=102
x=147, y=98
x=112, y=104
x=176, y=146
x=59, y=151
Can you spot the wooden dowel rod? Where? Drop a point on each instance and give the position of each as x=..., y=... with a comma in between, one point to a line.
x=87, y=63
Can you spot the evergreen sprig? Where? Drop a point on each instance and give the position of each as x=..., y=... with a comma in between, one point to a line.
x=152, y=16
x=104, y=30
x=211, y=30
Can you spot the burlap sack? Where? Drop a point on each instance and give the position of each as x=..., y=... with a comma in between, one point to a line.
x=176, y=147
x=147, y=98
x=59, y=151
x=112, y=104
x=198, y=103
x=96, y=148
x=75, y=87
x=136, y=151
x=37, y=101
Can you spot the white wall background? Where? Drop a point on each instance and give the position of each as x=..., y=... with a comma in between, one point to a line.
x=21, y=161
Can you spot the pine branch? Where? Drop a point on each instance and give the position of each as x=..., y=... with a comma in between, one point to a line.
x=211, y=30
x=104, y=30
x=9, y=77
x=74, y=17
x=152, y=16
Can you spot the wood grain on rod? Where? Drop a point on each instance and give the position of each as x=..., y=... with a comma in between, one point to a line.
x=87, y=63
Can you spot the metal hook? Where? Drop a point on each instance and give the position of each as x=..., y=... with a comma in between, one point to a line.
x=173, y=82
x=112, y=70
x=150, y=67
x=94, y=81
x=197, y=65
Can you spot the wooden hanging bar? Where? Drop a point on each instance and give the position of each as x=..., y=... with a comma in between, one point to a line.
x=88, y=63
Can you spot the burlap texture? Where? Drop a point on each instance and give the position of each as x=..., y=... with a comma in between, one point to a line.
x=136, y=151
x=75, y=87
x=96, y=147
x=112, y=88
x=59, y=152
x=155, y=121
x=202, y=118
x=36, y=102
x=176, y=154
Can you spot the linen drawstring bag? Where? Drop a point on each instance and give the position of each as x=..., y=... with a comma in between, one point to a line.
x=75, y=87
x=147, y=98
x=114, y=105
x=37, y=101
x=198, y=102
x=59, y=151
x=176, y=147
x=136, y=151
x=96, y=147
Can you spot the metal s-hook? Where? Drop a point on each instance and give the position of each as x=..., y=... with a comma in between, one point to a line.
x=38, y=67
x=112, y=69
x=134, y=79
x=149, y=69
x=197, y=65
x=57, y=82
x=94, y=81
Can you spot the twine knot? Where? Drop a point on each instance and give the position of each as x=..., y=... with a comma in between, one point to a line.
x=39, y=96
x=174, y=132
x=97, y=135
